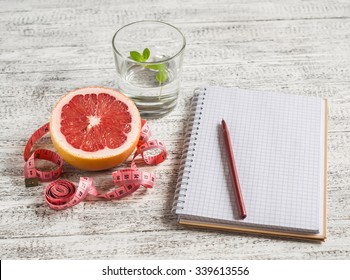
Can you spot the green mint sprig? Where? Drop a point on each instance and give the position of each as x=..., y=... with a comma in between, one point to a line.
x=162, y=74
x=140, y=57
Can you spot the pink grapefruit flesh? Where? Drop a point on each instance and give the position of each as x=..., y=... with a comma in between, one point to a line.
x=95, y=128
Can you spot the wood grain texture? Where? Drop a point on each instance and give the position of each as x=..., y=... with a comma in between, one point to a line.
x=50, y=47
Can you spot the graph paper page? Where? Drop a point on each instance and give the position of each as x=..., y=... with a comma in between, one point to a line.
x=278, y=144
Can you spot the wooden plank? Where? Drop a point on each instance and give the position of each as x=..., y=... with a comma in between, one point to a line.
x=121, y=12
x=230, y=44
x=189, y=244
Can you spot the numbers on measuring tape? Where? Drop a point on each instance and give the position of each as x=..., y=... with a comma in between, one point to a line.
x=62, y=194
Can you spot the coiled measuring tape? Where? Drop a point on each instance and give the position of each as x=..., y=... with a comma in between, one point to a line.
x=62, y=194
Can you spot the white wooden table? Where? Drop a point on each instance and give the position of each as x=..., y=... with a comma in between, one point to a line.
x=48, y=48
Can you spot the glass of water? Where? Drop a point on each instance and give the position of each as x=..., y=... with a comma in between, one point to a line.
x=148, y=57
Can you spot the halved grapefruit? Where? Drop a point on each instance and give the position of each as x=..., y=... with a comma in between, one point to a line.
x=95, y=128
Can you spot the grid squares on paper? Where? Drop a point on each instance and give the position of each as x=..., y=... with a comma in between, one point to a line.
x=276, y=140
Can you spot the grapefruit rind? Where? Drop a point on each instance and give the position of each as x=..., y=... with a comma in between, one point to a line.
x=102, y=159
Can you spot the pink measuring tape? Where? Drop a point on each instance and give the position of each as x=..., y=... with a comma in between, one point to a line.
x=62, y=194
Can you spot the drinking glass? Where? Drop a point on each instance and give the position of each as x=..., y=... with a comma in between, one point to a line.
x=148, y=57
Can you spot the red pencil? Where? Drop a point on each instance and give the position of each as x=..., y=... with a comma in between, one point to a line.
x=233, y=173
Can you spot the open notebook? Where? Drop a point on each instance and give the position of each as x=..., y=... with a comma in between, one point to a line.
x=280, y=145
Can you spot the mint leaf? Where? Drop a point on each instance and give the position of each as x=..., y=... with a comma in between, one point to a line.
x=146, y=53
x=154, y=66
x=158, y=67
x=162, y=75
x=136, y=56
